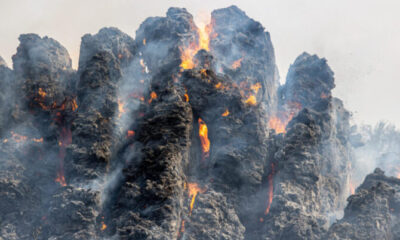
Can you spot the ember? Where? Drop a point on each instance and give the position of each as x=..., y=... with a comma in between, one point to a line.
x=193, y=190
x=236, y=64
x=226, y=113
x=130, y=133
x=205, y=142
x=121, y=108
x=153, y=95
x=270, y=188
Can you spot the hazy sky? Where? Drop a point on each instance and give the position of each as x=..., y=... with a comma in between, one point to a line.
x=360, y=38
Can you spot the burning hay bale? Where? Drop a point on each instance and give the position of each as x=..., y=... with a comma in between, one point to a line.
x=180, y=133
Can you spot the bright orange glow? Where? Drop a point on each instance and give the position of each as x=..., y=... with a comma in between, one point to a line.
x=277, y=124
x=61, y=179
x=144, y=41
x=121, y=108
x=205, y=142
x=186, y=97
x=130, y=133
x=203, y=72
x=42, y=93
x=153, y=95
x=188, y=52
x=226, y=113
x=74, y=105
x=193, y=190
x=18, y=138
x=218, y=85
x=236, y=64
x=251, y=100
x=255, y=87
x=103, y=226
x=352, y=188
x=38, y=140
x=270, y=188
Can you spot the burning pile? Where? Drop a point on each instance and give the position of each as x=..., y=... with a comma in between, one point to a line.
x=107, y=151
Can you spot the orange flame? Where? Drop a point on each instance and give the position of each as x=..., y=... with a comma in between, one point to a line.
x=144, y=41
x=38, y=140
x=193, y=190
x=130, y=133
x=61, y=179
x=153, y=95
x=218, y=85
x=255, y=87
x=103, y=226
x=226, y=113
x=121, y=108
x=236, y=64
x=18, y=138
x=42, y=93
x=187, y=53
x=65, y=140
x=205, y=142
x=251, y=100
x=270, y=188
x=277, y=124
x=186, y=97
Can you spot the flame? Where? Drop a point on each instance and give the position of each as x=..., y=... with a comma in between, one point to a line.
x=121, y=108
x=251, y=100
x=193, y=190
x=42, y=93
x=352, y=188
x=65, y=140
x=186, y=97
x=270, y=188
x=144, y=41
x=277, y=124
x=226, y=113
x=153, y=95
x=205, y=142
x=236, y=64
x=18, y=138
x=218, y=85
x=74, y=105
x=182, y=229
x=255, y=87
x=188, y=52
x=103, y=226
x=280, y=121
x=130, y=133
x=38, y=140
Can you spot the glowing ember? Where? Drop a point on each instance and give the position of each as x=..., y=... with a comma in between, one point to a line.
x=74, y=105
x=130, y=133
x=236, y=64
x=103, y=226
x=276, y=124
x=121, y=108
x=186, y=97
x=61, y=179
x=42, y=93
x=18, y=138
x=218, y=85
x=38, y=140
x=205, y=142
x=226, y=113
x=153, y=95
x=251, y=100
x=193, y=190
x=255, y=87
x=270, y=188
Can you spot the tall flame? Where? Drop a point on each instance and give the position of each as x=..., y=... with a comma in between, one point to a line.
x=153, y=95
x=188, y=52
x=121, y=108
x=205, y=142
x=193, y=190
x=270, y=188
x=226, y=113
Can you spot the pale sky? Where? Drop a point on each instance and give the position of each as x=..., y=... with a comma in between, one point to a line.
x=359, y=38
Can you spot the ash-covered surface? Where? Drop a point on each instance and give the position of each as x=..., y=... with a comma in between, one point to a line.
x=185, y=133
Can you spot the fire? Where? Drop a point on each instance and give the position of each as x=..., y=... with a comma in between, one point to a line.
x=74, y=105
x=193, y=190
x=65, y=140
x=153, y=95
x=18, y=138
x=218, y=85
x=61, y=179
x=352, y=188
x=144, y=41
x=130, y=133
x=255, y=87
x=251, y=100
x=270, y=188
x=236, y=64
x=188, y=52
x=38, y=140
x=226, y=113
x=103, y=226
x=121, y=108
x=42, y=93
x=182, y=229
x=186, y=97
x=205, y=142
x=277, y=124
